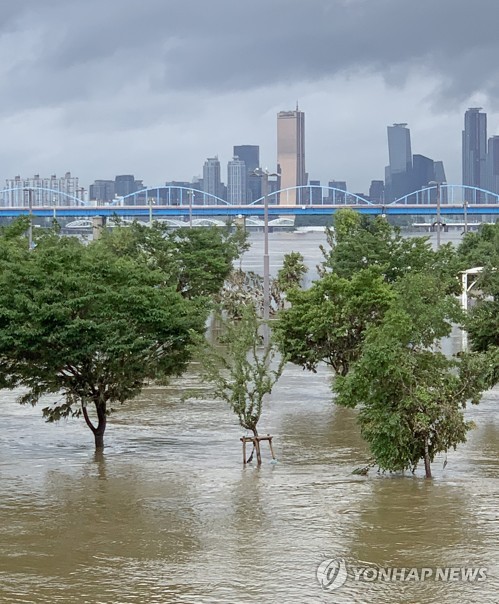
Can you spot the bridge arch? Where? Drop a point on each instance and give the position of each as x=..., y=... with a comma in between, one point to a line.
x=207, y=222
x=172, y=195
x=449, y=195
x=176, y=195
x=315, y=195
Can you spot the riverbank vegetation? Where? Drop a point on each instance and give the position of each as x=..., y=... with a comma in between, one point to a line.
x=93, y=323
x=377, y=315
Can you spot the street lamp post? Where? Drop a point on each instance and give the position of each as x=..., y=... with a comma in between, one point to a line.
x=266, y=259
x=465, y=210
x=264, y=175
x=30, y=227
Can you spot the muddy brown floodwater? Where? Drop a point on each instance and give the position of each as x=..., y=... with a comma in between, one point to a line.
x=170, y=515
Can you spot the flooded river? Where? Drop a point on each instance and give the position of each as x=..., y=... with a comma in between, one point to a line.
x=169, y=514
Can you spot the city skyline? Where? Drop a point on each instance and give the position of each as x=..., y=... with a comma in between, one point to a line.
x=405, y=173
x=164, y=88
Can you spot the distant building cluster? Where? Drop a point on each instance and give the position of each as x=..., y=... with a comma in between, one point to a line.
x=405, y=174
x=480, y=154
x=106, y=191
x=40, y=191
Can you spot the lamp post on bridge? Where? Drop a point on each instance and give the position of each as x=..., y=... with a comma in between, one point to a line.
x=436, y=184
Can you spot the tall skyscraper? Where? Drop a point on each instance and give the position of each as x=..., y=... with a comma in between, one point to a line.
x=475, y=147
x=399, y=148
x=236, y=181
x=398, y=174
x=250, y=155
x=291, y=154
x=492, y=183
x=211, y=177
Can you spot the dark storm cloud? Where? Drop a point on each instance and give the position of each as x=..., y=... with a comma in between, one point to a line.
x=57, y=51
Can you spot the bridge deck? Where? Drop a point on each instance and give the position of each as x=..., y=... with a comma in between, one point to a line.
x=253, y=210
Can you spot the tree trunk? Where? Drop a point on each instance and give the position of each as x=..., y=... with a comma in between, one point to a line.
x=98, y=431
x=257, y=447
x=427, y=465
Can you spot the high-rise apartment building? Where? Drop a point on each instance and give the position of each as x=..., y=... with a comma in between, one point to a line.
x=45, y=191
x=250, y=155
x=291, y=154
x=211, y=177
x=237, y=182
x=475, y=147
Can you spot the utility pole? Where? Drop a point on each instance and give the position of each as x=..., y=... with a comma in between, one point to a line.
x=30, y=227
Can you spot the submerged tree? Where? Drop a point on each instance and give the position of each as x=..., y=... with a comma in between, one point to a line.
x=243, y=371
x=243, y=288
x=290, y=275
x=94, y=323
x=327, y=322
x=411, y=397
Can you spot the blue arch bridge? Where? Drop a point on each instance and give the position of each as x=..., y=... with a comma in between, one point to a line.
x=177, y=205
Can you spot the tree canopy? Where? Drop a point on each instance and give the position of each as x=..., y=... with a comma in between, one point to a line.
x=481, y=249
x=411, y=396
x=358, y=241
x=327, y=322
x=376, y=316
x=94, y=323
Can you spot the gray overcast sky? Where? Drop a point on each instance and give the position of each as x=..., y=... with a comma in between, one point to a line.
x=153, y=87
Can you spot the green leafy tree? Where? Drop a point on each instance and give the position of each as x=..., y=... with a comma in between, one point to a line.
x=482, y=249
x=94, y=323
x=291, y=273
x=242, y=370
x=198, y=260
x=358, y=242
x=327, y=322
x=411, y=397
